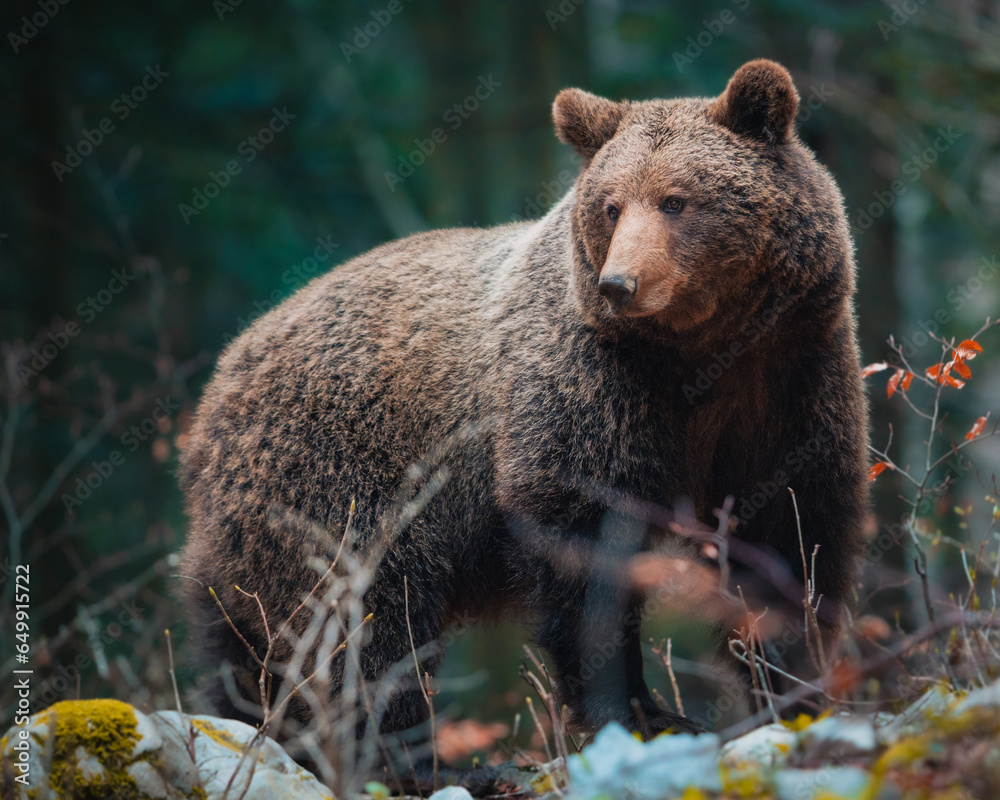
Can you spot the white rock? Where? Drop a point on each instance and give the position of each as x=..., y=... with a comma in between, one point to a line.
x=913, y=720
x=148, y=780
x=848, y=783
x=616, y=764
x=88, y=720
x=155, y=754
x=986, y=697
x=838, y=737
x=218, y=748
x=765, y=747
x=88, y=767
x=451, y=793
x=148, y=733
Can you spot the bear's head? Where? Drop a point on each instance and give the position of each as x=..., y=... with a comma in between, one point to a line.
x=689, y=213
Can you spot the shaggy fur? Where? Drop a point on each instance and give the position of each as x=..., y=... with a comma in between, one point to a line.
x=490, y=358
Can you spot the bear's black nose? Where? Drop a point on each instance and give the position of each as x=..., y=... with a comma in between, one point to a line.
x=617, y=290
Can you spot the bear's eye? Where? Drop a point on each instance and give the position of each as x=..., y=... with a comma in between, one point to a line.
x=613, y=213
x=672, y=205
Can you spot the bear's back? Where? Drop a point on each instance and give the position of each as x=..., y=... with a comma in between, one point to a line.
x=331, y=396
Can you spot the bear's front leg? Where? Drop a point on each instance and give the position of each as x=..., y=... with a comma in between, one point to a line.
x=821, y=457
x=591, y=627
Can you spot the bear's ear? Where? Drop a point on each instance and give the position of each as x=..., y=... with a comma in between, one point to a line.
x=586, y=121
x=760, y=102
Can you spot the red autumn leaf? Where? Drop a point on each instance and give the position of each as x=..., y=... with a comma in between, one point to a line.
x=942, y=373
x=978, y=428
x=900, y=378
x=871, y=369
x=877, y=469
x=968, y=349
x=894, y=382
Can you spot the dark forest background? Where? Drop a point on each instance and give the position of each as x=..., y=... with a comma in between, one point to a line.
x=132, y=250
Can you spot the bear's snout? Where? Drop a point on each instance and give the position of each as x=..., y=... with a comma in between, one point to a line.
x=618, y=290
x=638, y=272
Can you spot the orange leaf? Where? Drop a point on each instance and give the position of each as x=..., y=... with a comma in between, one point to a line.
x=942, y=372
x=461, y=738
x=978, y=428
x=877, y=469
x=962, y=369
x=894, y=382
x=844, y=678
x=907, y=378
x=872, y=627
x=871, y=369
x=968, y=349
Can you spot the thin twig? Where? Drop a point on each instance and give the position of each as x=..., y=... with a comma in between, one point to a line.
x=177, y=700
x=673, y=680
x=423, y=689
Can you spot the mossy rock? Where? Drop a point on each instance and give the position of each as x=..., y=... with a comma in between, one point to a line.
x=82, y=749
x=89, y=749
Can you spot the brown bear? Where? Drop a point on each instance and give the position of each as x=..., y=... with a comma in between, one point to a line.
x=494, y=403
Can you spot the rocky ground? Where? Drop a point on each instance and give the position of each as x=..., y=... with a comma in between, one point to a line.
x=944, y=747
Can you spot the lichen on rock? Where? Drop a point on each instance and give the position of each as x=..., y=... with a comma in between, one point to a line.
x=94, y=743
x=93, y=749
x=83, y=749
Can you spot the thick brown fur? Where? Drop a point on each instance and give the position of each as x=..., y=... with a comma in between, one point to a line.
x=557, y=415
